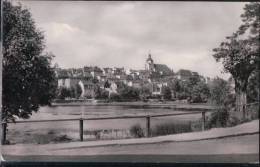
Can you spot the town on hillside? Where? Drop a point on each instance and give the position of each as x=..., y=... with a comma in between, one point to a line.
x=152, y=82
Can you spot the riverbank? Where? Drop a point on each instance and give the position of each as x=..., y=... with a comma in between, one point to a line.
x=170, y=104
x=59, y=131
x=250, y=128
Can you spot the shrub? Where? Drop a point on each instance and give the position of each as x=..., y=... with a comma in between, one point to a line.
x=252, y=111
x=166, y=92
x=100, y=93
x=218, y=119
x=62, y=138
x=137, y=131
x=129, y=93
x=115, y=97
x=233, y=120
x=171, y=128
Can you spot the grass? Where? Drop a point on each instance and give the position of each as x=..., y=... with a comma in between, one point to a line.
x=137, y=131
x=171, y=128
x=163, y=129
x=231, y=117
x=44, y=137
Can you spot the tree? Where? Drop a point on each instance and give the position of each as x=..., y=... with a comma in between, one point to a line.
x=251, y=22
x=100, y=93
x=184, y=91
x=145, y=92
x=251, y=26
x=200, y=92
x=253, y=87
x=238, y=59
x=175, y=86
x=64, y=93
x=166, y=93
x=28, y=79
x=128, y=92
x=78, y=91
x=239, y=54
x=219, y=91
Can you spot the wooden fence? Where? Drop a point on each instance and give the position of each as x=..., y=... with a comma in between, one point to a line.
x=80, y=120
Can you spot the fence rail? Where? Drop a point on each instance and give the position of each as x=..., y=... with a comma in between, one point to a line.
x=147, y=117
x=116, y=117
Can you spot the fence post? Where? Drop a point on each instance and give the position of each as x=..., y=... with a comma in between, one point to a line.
x=203, y=121
x=3, y=139
x=148, y=130
x=81, y=129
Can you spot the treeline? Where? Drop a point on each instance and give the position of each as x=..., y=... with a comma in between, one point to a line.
x=193, y=90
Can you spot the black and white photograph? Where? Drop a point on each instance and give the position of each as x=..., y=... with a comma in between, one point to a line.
x=130, y=81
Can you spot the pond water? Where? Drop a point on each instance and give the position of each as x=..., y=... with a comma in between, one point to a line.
x=66, y=112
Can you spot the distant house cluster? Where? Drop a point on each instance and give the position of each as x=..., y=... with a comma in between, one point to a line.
x=154, y=77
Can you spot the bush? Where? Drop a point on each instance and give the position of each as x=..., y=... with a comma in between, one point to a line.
x=64, y=93
x=219, y=91
x=137, y=131
x=218, y=119
x=200, y=93
x=233, y=120
x=253, y=111
x=166, y=92
x=182, y=95
x=100, y=93
x=129, y=93
x=115, y=97
x=171, y=128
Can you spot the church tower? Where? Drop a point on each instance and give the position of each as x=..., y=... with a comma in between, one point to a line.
x=149, y=65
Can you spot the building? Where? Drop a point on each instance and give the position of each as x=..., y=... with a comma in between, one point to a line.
x=157, y=70
x=155, y=76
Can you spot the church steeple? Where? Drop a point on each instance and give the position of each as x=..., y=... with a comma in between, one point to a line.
x=149, y=65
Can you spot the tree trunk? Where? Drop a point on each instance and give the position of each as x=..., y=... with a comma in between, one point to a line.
x=241, y=99
x=241, y=102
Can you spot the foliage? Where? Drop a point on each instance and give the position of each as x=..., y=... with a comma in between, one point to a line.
x=128, y=92
x=193, y=80
x=175, y=85
x=253, y=111
x=171, y=128
x=28, y=79
x=115, y=97
x=100, y=93
x=253, y=87
x=144, y=93
x=194, y=89
x=239, y=58
x=64, y=93
x=219, y=90
x=184, y=91
x=73, y=92
x=221, y=96
x=218, y=119
x=166, y=93
x=200, y=92
x=137, y=131
x=239, y=54
x=78, y=91
x=251, y=21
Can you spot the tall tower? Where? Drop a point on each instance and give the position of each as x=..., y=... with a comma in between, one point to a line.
x=149, y=65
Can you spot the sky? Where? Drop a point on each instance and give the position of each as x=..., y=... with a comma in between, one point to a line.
x=121, y=34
